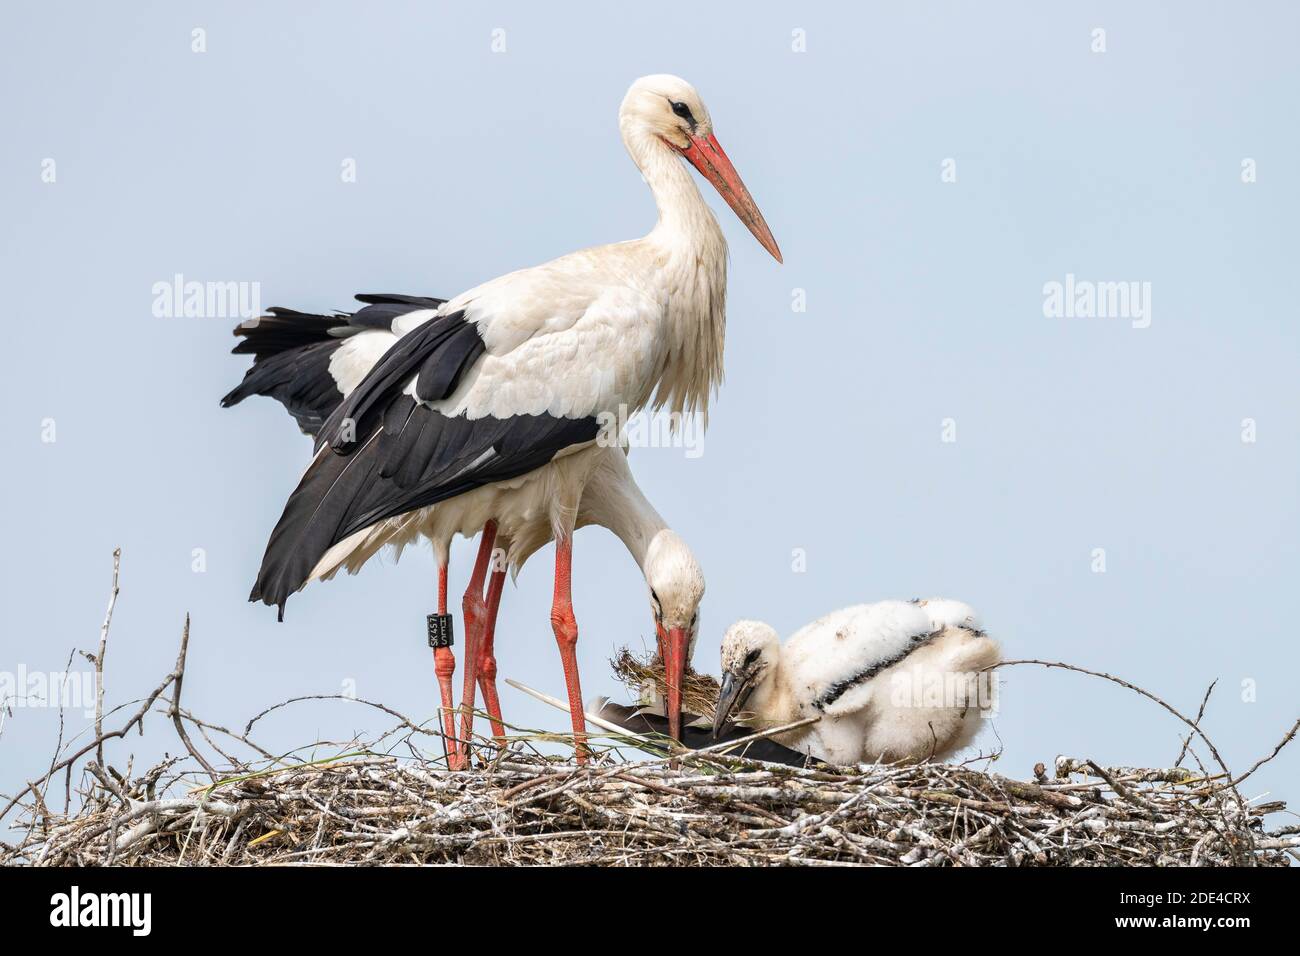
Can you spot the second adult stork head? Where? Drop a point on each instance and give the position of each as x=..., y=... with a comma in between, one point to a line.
x=674, y=581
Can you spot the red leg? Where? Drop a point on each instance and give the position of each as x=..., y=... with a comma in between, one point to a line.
x=565, y=626
x=487, y=662
x=444, y=665
x=475, y=612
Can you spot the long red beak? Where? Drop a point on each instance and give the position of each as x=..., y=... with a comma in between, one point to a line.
x=674, y=674
x=706, y=155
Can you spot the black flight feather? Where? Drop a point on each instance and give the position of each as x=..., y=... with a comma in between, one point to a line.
x=342, y=494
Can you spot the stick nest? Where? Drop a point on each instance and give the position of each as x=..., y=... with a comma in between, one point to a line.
x=523, y=808
x=391, y=800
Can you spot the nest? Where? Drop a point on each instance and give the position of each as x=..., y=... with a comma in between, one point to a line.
x=522, y=808
x=392, y=800
x=699, y=691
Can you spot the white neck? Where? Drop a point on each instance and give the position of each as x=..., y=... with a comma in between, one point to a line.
x=682, y=210
x=613, y=500
x=773, y=699
x=691, y=255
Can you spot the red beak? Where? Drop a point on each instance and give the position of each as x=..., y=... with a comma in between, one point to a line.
x=706, y=155
x=662, y=637
x=674, y=674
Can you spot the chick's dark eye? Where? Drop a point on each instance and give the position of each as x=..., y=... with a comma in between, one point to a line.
x=684, y=111
x=752, y=656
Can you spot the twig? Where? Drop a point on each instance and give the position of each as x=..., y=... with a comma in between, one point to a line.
x=1290, y=735
x=1200, y=712
x=1137, y=690
x=99, y=658
x=174, y=711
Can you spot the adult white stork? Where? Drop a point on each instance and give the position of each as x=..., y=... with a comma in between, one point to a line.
x=895, y=680
x=505, y=384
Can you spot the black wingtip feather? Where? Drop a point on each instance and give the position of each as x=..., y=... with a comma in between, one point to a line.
x=341, y=495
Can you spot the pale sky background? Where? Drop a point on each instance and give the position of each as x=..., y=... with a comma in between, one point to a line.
x=924, y=302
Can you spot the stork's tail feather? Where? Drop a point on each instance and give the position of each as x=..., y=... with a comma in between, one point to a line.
x=292, y=352
x=282, y=330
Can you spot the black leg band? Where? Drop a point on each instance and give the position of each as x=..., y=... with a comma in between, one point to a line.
x=440, y=631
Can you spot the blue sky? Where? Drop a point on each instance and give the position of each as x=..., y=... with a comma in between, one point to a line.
x=924, y=312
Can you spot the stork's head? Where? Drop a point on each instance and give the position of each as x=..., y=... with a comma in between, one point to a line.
x=750, y=650
x=668, y=109
x=676, y=589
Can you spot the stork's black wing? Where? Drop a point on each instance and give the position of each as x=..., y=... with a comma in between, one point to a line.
x=383, y=453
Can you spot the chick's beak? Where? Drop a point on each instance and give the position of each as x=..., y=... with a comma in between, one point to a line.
x=730, y=696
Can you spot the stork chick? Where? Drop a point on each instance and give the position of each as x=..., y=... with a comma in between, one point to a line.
x=891, y=681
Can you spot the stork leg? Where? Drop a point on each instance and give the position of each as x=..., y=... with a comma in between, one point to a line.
x=474, y=608
x=444, y=665
x=487, y=662
x=565, y=626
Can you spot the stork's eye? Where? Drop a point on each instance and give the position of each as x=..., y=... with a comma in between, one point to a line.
x=751, y=657
x=684, y=111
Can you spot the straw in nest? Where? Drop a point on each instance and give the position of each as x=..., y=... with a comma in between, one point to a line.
x=699, y=691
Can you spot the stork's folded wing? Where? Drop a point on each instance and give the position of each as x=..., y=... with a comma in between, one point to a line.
x=389, y=449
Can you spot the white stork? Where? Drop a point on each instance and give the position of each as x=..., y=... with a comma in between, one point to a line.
x=891, y=681
x=497, y=393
